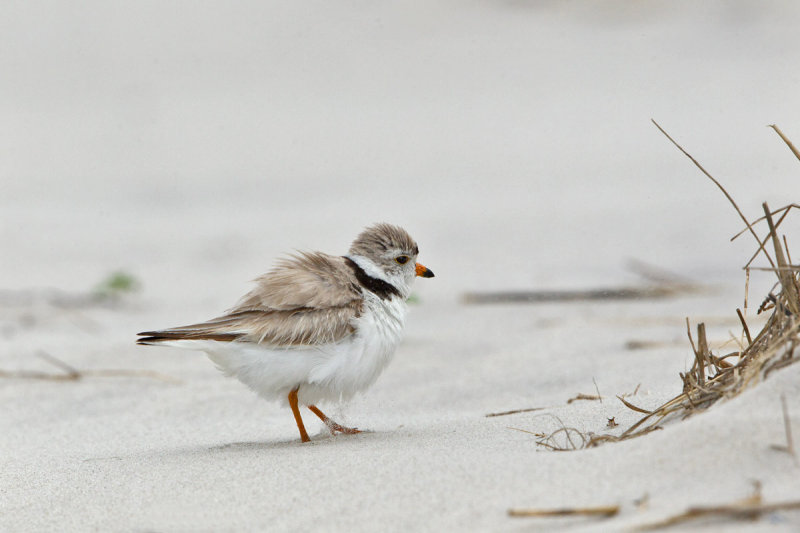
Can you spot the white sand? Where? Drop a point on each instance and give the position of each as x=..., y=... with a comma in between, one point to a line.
x=191, y=147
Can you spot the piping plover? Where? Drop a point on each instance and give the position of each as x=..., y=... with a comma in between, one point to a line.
x=317, y=327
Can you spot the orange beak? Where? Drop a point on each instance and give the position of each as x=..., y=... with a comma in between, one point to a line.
x=424, y=272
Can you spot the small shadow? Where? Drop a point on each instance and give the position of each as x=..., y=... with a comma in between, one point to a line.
x=322, y=439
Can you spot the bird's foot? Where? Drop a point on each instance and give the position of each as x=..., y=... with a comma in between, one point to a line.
x=332, y=426
x=337, y=428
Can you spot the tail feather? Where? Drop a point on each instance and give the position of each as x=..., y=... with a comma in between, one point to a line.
x=226, y=328
x=152, y=338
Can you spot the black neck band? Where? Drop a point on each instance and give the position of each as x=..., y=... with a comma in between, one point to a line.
x=381, y=288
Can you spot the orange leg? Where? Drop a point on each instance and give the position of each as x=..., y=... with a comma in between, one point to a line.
x=333, y=426
x=297, y=417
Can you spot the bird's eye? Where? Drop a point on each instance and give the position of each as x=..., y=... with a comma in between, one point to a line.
x=402, y=259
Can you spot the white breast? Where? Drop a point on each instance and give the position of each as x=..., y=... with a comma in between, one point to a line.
x=333, y=372
x=354, y=365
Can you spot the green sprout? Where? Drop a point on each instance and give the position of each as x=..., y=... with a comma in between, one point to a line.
x=116, y=285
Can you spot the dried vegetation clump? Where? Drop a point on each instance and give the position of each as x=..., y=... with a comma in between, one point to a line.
x=713, y=377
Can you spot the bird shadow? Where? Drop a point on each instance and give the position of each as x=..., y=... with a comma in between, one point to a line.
x=321, y=439
x=316, y=440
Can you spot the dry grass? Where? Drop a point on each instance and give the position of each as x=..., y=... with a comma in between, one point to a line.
x=713, y=377
x=750, y=508
x=514, y=412
x=582, y=396
x=563, y=439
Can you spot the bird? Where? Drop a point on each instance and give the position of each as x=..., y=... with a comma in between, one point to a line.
x=317, y=327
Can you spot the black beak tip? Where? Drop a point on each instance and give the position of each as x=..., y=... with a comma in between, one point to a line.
x=428, y=274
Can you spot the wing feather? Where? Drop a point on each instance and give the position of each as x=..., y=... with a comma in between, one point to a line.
x=314, y=280
x=308, y=299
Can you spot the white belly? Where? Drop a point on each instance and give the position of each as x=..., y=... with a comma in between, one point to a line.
x=332, y=372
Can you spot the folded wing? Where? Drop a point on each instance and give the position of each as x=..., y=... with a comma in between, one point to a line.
x=308, y=299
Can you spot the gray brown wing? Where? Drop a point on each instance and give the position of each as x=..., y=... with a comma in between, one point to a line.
x=310, y=299
x=313, y=280
x=275, y=328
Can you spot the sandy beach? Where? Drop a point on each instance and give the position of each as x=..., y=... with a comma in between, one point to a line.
x=187, y=147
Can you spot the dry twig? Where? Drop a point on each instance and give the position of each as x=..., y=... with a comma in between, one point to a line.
x=633, y=407
x=582, y=396
x=603, y=510
x=744, y=326
x=547, y=296
x=73, y=374
x=718, y=184
x=750, y=508
x=787, y=426
x=515, y=411
x=787, y=141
